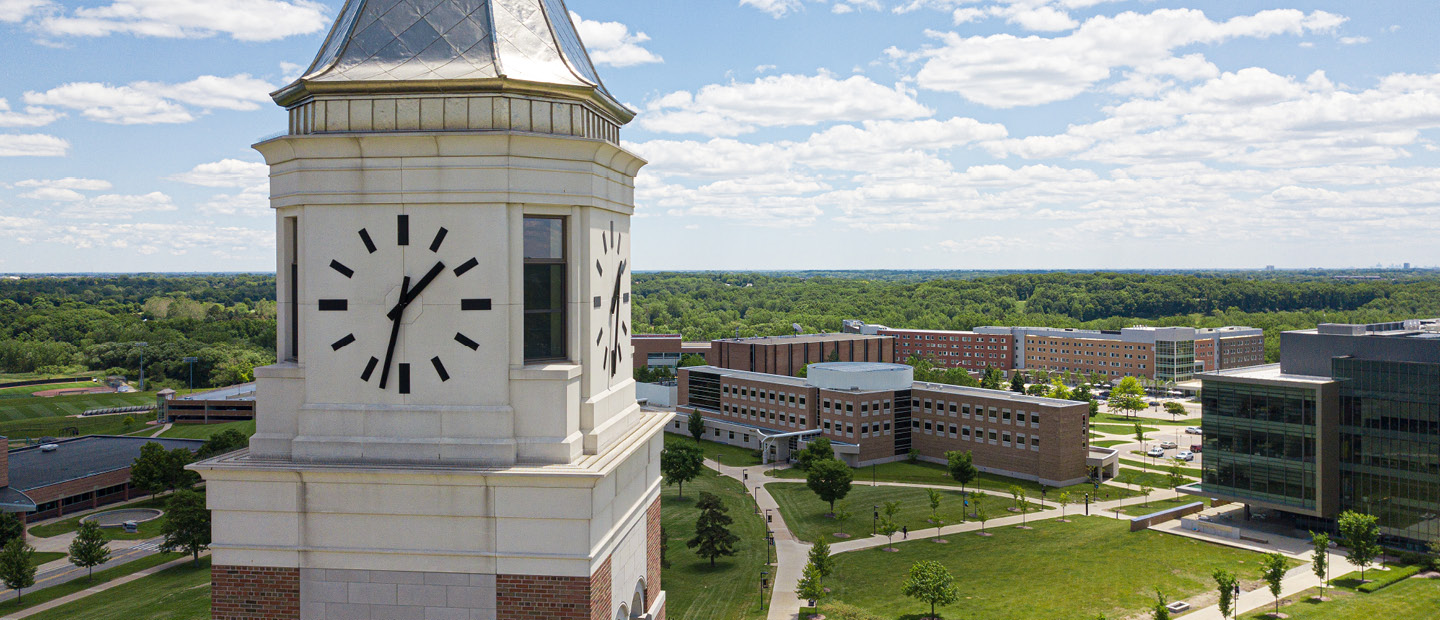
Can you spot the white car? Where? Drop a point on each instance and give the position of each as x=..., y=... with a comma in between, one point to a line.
x=1185, y=455
x=1156, y=452
x=1168, y=445
x=1192, y=430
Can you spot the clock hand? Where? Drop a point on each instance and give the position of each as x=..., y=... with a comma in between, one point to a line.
x=413, y=294
x=615, y=316
x=394, y=333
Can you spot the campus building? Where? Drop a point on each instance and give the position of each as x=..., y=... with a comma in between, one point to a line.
x=788, y=355
x=1348, y=420
x=944, y=348
x=1160, y=353
x=665, y=350
x=877, y=413
x=69, y=475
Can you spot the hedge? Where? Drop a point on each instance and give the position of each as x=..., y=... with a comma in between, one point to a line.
x=1390, y=577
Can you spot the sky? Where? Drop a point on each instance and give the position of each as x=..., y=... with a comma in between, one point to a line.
x=796, y=134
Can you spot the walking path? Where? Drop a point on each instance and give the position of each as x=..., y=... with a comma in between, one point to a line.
x=60, y=571
x=99, y=587
x=162, y=430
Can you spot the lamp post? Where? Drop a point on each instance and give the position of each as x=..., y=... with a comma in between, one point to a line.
x=1043, y=489
x=764, y=581
x=191, y=362
x=142, y=364
x=1087, y=504
x=875, y=526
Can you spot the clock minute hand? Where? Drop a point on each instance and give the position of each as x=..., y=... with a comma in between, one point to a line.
x=407, y=297
x=394, y=334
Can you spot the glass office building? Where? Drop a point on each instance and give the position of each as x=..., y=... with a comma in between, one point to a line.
x=1260, y=443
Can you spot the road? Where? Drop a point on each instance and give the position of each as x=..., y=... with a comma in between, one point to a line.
x=61, y=571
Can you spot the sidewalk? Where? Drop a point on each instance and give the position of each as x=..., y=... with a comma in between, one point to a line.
x=100, y=587
x=791, y=554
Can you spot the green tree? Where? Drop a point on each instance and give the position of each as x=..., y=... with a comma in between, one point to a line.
x=226, y=441
x=1145, y=492
x=692, y=359
x=150, y=471
x=1017, y=384
x=713, y=537
x=830, y=480
x=10, y=528
x=89, y=548
x=821, y=559
x=1175, y=477
x=1272, y=569
x=681, y=463
x=1160, y=611
x=809, y=587
x=978, y=499
x=1320, y=561
x=934, y=497
x=17, y=570
x=961, y=466
x=1081, y=393
x=888, y=527
x=817, y=450
x=187, y=524
x=1128, y=397
x=929, y=582
x=1064, y=500
x=1225, y=583
x=1140, y=435
x=992, y=378
x=1094, y=407
x=842, y=511
x=1360, y=533
x=696, y=426
x=1174, y=409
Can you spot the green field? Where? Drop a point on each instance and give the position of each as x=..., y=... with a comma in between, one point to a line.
x=1109, y=443
x=1101, y=418
x=148, y=529
x=205, y=431
x=179, y=593
x=1145, y=478
x=1162, y=466
x=27, y=390
x=43, y=594
x=693, y=589
x=34, y=407
x=935, y=474
x=1057, y=571
x=807, y=517
x=1411, y=598
x=731, y=456
x=1126, y=430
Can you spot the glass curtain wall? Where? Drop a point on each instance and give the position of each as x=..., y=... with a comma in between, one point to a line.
x=1260, y=442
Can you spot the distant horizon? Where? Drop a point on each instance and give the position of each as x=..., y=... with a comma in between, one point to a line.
x=1157, y=270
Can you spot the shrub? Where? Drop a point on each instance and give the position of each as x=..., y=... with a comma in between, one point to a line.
x=1389, y=578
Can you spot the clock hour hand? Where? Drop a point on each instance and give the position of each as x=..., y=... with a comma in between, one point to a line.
x=407, y=297
x=394, y=333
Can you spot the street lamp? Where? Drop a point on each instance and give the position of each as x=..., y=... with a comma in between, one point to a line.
x=764, y=581
x=191, y=362
x=1087, y=504
x=142, y=364
x=1043, y=489
x=875, y=527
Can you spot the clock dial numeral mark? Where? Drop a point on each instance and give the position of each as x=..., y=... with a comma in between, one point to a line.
x=440, y=369
x=475, y=304
x=604, y=243
x=471, y=344
x=343, y=342
x=627, y=298
x=469, y=264
x=334, y=305
x=626, y=328
x=369, y=369
x=597, y=302
x=605, y=358
x=369, y=243
x=600, y=336
x=404, y=378
x=598, y=269
x=439, y=239
x=340, y=267
x=613, y=241
x=402, y=230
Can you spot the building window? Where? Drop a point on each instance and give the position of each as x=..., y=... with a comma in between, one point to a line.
x=544, y=288
x=1005, y=438
x=732, y=435
x=952, y=431
x=1005, y=415
x=1020, y=440
x=992, y=435
x=964, y=432
x=1035, y=419
x=802, y=401
x=717, y=432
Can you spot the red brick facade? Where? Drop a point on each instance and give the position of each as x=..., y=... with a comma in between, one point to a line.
x=954, y=349
x=786, y=355
x=254, y=593
x=523, y=597
x=652, y=555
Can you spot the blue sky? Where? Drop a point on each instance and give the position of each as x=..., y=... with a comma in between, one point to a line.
x=788, y=134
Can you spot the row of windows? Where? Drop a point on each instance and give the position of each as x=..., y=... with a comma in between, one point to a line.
x=1091, y=353
x=779, y=398
x=905, y=352
x=848, y=407
x=964, y=409
x=979, y=434
x=779, y=418
x=1063, y=341
x=945, y=338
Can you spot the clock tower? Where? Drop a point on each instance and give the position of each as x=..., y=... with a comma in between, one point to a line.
x=451, y=430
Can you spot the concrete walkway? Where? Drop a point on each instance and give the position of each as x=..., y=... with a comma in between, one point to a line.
x=99, y=587
x=162, y=430
x=791, y=554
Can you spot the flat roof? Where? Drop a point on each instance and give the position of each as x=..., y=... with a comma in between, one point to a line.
x=800, y=338
x=751, y=375
x=81, y=457
x=1001, y=394
x=1267, y=372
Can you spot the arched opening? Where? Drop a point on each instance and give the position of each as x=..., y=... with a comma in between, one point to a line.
x=639, y=599
x=623, y=614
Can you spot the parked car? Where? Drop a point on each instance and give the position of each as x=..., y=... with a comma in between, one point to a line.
x=1195, y=447
x=1192, y=430
x=1156, y=452
x=1168, y=445
x=1184, y=455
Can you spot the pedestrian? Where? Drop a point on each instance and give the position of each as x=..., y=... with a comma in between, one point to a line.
x=904, y=532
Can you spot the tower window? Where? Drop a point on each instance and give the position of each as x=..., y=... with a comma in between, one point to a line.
x=544, y=288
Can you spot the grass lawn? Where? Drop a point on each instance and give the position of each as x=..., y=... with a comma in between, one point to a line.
x=36, y=597
x=733, y=456
x=205, y=431
x=1411, y=598
x=32, y=407
x=1057, y=571
x=1127, y=430
x=1109, y=443
x=1138, y=477
x=936, y=474
x=806, y=516
x=148, y=529
x=42, y=557
x=731, y=589
x=1139, y=509
x=26, y=390
x=1162, y=466
x=180, y=593
x=1101, y=418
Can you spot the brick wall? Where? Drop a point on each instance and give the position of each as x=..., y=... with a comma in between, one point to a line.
x=652, y=555
x=524, y=597
x=254, y=593
x=600, y=603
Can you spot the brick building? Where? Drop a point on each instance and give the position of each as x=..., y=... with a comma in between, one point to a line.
x=787, y=355
x=665, y=350
x=875, y=413
x=1162, y=353
x=41, y=482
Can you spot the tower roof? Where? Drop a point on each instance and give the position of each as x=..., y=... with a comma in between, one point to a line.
x=388, y=46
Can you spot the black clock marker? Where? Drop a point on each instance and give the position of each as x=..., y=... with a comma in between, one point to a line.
x=598, y=269
x=340, y=267
x=334, y=305
x=440, y=369
x=600, y=336
x=369, y=369
x=369, y=243
x=604, y=243
x=475, y=304
x=469, y=264
x=343, y=342
x=402, y=230
x=626, y=328
x=439, y=239
x=597, y=301
x=471, y=344
x=404, y=378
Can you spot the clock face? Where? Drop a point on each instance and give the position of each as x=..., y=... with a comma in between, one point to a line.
x=435, y=270
x=612, y=269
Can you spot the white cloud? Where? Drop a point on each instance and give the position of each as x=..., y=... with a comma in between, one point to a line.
x=120, y=206
x=54, y=194
x=780, y=100
x=243, y=20
x=1043, y=19
x=612, y=43
x=1004, y=70
x=32, y=145
x=226, y=173
x=33, y=116
x=776, y=8
x=289, y=71
x=61, y=190
x=13, y=11
x=152, y=102
x=1354, y=40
